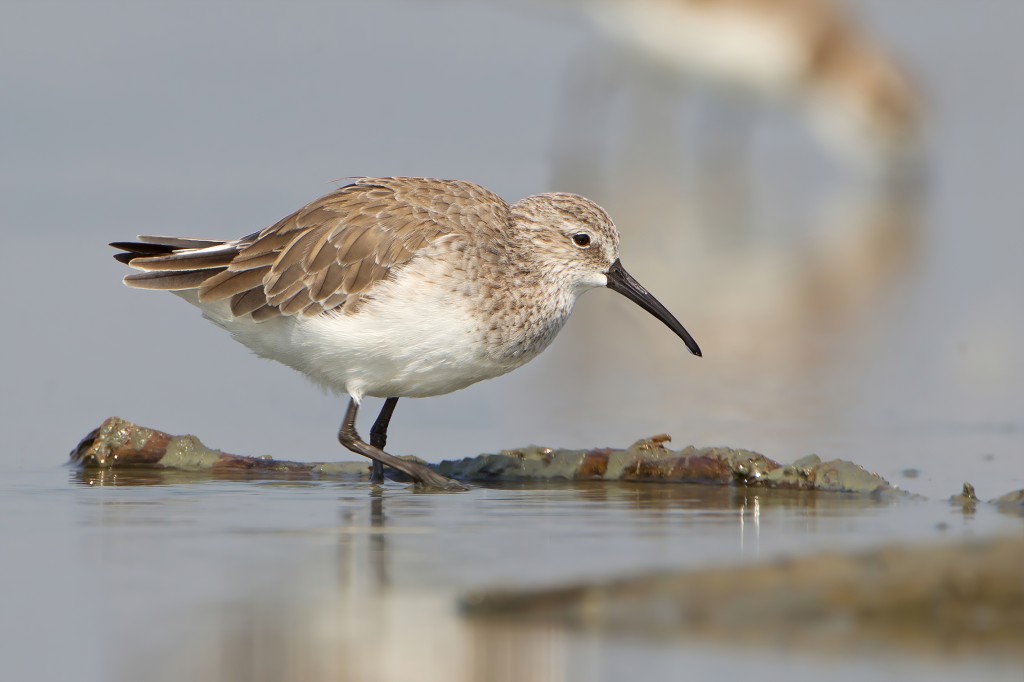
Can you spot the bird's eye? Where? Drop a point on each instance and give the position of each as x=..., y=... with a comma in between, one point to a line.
x=581, y=239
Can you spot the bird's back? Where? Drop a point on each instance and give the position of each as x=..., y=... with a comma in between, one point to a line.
x=329, y=256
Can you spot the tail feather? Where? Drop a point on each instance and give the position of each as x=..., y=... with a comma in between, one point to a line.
x=200, y=266
x=179, y=242
x=173, y=263
x=169, y=281
x=137, y=249
x=190, y=259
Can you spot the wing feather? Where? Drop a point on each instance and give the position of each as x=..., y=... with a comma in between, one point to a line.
x=328, y=255
x=247, y=301
x=333, y=277
x=281, y=282
x=296, y=303
x=265, y=313
x=175, y=281
x=231, y=282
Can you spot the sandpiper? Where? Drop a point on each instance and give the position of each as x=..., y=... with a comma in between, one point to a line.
x=811, y=52
x=399, y=287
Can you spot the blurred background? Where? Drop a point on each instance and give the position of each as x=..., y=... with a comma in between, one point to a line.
x=824, y=193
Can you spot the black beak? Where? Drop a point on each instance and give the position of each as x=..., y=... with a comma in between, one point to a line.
x=621, y=281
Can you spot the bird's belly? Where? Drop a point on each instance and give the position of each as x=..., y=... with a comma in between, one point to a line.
x=395, y=357
x=411, y=341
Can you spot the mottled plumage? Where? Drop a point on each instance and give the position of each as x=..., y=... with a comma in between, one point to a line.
x=394, y=287
x=328, y=254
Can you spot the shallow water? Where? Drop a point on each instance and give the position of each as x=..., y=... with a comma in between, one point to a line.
x=835, y=319
x=183, y=577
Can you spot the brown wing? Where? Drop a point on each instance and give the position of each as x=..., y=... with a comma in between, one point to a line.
x=331, y=253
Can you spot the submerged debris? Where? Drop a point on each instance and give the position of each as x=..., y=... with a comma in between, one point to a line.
x=1013, y=501
x=966, y=500
x=965, y=597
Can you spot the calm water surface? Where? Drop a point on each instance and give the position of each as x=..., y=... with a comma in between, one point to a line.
x=178, y=577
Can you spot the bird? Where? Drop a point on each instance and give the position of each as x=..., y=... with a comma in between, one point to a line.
x=811, y=53
x=395, y=287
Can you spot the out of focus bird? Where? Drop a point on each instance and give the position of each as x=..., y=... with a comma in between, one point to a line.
x=810, y=53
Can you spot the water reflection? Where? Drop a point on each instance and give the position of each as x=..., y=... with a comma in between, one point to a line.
x=755, y=518
x=351, y=554
x=374, y=596
x=151, y=476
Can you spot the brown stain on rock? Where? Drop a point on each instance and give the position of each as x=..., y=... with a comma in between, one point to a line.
x=121, y=442
x=595, y=463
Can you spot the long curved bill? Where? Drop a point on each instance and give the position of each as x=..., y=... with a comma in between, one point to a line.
x=621, y=281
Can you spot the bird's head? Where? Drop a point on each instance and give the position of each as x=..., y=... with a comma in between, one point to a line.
x=579, y=244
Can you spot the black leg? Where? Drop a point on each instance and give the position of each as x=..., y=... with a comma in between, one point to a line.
x=348, y=437
x=379, y=437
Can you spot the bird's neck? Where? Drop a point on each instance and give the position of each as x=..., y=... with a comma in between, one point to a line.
x=525, y=317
